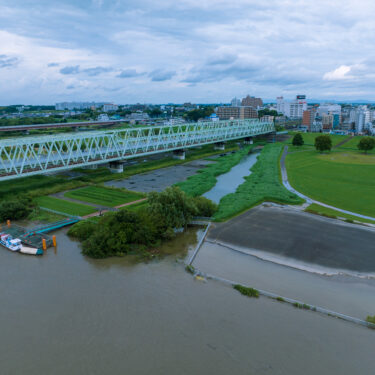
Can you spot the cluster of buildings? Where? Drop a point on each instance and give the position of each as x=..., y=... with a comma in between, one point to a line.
x=240, y=109
x=334, y=117
x=71, y=106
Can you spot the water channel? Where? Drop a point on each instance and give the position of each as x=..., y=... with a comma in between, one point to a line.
x=228, y=182
x=64, y=313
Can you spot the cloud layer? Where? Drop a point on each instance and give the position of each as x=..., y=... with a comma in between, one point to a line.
x=201, y=51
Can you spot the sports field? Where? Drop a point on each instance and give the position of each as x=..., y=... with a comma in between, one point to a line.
x=104, y=196
x=334, y=179
x=60, y=205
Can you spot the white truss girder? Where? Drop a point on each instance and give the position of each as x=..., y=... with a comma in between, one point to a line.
x=35, y=155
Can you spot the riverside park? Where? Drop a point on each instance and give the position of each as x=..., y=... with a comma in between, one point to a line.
x=261, y=232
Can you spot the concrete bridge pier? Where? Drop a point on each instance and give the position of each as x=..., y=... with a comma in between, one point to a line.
x=248, y=140
x=116, y=167
x=179, y=154
x=219, y=146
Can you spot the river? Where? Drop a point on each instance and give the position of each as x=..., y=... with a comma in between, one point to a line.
x=228, y=182
x=64, y=313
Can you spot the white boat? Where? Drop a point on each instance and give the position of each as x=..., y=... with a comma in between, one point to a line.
x=15, y=244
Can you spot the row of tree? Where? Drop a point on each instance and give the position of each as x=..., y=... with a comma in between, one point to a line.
x=324, y=143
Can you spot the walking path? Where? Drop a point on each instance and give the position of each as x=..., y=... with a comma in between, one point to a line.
x=98, y=213
x=309, y=201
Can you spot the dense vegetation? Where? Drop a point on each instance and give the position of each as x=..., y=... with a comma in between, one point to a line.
x=104, y=196
x=205, y=179
x=128, y=232
x=15, y=209
x=262, y=185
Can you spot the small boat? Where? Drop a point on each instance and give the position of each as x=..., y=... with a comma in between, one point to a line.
x=15, y=244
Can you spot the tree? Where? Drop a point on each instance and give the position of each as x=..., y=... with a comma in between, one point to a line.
x=366, y=144
x=323, y=143
x=298, y=140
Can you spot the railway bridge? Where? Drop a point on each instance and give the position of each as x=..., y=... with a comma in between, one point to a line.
x=26, y=156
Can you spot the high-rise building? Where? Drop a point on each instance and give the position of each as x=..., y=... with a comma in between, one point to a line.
x=294, y=108
x=327, y=121
x=235, y=102
x=251, y=101
x=308, y=118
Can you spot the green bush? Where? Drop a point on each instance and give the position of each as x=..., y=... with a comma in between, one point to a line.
x=82, y=230
x=15, y=209
x=205, y=207
x=370, y=319
x=262, y=185
x=246, y=291
x=298, y=140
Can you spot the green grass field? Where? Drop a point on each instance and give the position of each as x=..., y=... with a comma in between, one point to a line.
x=104, y=196
x=321, y=210
x=352, y=145
x=343, y=185
x=309, y=139
x=61, y=205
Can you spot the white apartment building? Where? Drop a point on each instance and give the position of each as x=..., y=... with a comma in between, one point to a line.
x=332, y=109
x=292, y=109
x=110, y=107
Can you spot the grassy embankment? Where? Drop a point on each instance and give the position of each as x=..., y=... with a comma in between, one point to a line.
x=332, y=180
x=70, y=208
x=262, y=185
x=309, y=139
x=105, y=196
x=328, y=212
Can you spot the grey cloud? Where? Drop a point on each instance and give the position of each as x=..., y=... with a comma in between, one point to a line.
x=128, y=73
x=70, y=70
x=220, y=60
x=6, y=61
x=96, y=71
x=53, y=64
x=161, y=75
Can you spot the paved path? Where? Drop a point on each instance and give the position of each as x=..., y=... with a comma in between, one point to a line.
x=286, y=183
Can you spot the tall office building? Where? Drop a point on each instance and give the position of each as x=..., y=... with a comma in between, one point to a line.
x=292, y=109
x=251, y=101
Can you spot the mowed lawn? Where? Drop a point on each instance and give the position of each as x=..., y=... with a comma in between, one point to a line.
x=309, y=138
x=60, y=205
x=104, y=196
x=353, y=144
x=347, y=186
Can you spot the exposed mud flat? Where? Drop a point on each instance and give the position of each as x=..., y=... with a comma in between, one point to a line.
x=160, y=179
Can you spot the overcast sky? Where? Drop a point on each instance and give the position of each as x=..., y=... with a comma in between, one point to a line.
x=159, y=51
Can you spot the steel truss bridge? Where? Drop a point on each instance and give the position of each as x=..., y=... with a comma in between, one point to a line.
x=26, y=156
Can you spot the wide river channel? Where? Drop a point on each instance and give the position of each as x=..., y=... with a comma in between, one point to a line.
x=63, y=313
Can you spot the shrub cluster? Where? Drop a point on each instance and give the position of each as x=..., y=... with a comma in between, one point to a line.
x=15, y=209
x=135, y=232
x=246, y=291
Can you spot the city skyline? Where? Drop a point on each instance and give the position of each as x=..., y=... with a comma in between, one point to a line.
x=202, y=52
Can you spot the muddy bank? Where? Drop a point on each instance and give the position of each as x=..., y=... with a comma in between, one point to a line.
x=160, y=179
x=282, y=234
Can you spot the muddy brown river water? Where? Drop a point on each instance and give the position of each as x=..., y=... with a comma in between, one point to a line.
x=66, y=314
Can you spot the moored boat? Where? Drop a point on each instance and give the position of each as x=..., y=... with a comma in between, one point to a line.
x=15, y=244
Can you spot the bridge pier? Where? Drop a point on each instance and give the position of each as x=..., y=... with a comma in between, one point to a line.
x=219, y=146
x=179, y=154
x=248, y=141
x=116, y=167
x=92, y=166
